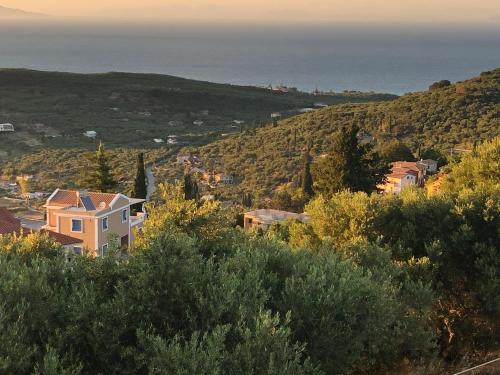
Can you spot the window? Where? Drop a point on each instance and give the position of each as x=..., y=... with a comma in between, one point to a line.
x=124, y=216
x=104, y=250
x=105, y=225
x=77, y=250
x=76, y=225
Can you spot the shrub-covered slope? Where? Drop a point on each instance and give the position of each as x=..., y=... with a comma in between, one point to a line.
x=444, y=117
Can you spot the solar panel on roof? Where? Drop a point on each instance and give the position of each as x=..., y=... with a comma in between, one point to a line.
x=87, y=203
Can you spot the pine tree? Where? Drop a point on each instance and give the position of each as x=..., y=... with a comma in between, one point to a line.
x=349, y=165
x=97, y=176
x=306, y=180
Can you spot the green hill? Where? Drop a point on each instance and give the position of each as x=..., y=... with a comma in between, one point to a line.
x=52, y=110
x=445, y=116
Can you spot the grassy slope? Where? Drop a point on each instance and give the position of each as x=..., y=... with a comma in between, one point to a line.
x=116, y=105
x=461, y=113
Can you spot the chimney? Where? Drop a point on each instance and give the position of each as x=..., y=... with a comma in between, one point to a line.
x=77, y=199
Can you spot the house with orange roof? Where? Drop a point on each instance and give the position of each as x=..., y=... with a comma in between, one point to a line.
x=10, y=225
x=398, y=179
x=94, y=218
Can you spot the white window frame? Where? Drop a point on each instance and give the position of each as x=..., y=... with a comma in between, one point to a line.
x=125, y=211
x=79, y=249
x=104, y=248
x=81, y=226
x=105, y=220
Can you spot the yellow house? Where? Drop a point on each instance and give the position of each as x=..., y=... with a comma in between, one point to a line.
x=94, y=218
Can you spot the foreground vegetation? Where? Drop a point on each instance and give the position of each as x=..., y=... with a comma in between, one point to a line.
x=374, y=284
x=430, y=123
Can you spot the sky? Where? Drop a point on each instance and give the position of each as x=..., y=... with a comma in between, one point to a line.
x=276, y=11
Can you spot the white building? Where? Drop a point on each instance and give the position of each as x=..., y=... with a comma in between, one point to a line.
x=90, y=134
x=6, y=127
x=429, y=164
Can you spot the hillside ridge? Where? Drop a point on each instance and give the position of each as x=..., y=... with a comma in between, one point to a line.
x=459, y=114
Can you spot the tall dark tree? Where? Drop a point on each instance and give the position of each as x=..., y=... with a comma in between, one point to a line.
x=97, y=176
x=306, y=180
x=140, y=186
x=140, y=183
x=247, y=200
x=349, y=165
x=191, y=190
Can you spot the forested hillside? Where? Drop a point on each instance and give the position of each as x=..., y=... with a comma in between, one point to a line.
x=448, y=115
x=53, y=109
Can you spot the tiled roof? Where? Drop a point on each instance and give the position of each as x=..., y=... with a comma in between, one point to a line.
x=407, y=165
x=9, y=228
x=8, y=223
x=62, y=238
x=6, y=215
x=66, y=198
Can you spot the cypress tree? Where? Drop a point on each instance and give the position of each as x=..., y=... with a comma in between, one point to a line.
x=306, y=179
x=191, y=190
x=140, y=187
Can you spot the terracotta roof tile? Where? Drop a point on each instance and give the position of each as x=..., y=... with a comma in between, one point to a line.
x=62, y=238
x=8, y=223
x=66, y=198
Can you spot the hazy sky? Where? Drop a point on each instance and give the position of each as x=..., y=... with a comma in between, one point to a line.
x=279, y=11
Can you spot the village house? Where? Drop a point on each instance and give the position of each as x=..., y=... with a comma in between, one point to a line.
x=11, y=225
x=419, y=169
x=264, y=218
x=430, y=165
x=225, y=179
x=398, y=179
x=6, y=127
x=90, y=134
x=94, y=218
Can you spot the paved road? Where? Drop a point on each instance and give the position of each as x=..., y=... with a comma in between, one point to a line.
x=151, y=182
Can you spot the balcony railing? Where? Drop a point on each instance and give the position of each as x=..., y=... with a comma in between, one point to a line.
x=137, y=219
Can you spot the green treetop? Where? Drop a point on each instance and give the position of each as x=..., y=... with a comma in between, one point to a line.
x=97, y=176
x=349, y=165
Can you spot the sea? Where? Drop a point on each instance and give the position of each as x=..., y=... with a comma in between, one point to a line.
x=391, y=59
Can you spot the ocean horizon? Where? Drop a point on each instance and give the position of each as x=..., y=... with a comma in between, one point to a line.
x=392, y=59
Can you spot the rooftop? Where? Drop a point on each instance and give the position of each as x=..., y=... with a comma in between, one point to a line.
x=269, y=215
x=85, y=201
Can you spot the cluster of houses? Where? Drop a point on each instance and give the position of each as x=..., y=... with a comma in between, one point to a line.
x=84, y=221
x=280, y=88
x=405, y=173
x=194, y=165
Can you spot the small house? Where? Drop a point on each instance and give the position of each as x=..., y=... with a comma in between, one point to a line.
x=430, y=165
x=6, y=127
x=264, y=218
x=90, y=134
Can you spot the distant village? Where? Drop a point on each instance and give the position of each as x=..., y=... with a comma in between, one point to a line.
x=82, y=221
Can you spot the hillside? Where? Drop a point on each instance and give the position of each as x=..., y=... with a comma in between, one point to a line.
x=52, y=110
x=441, y=118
